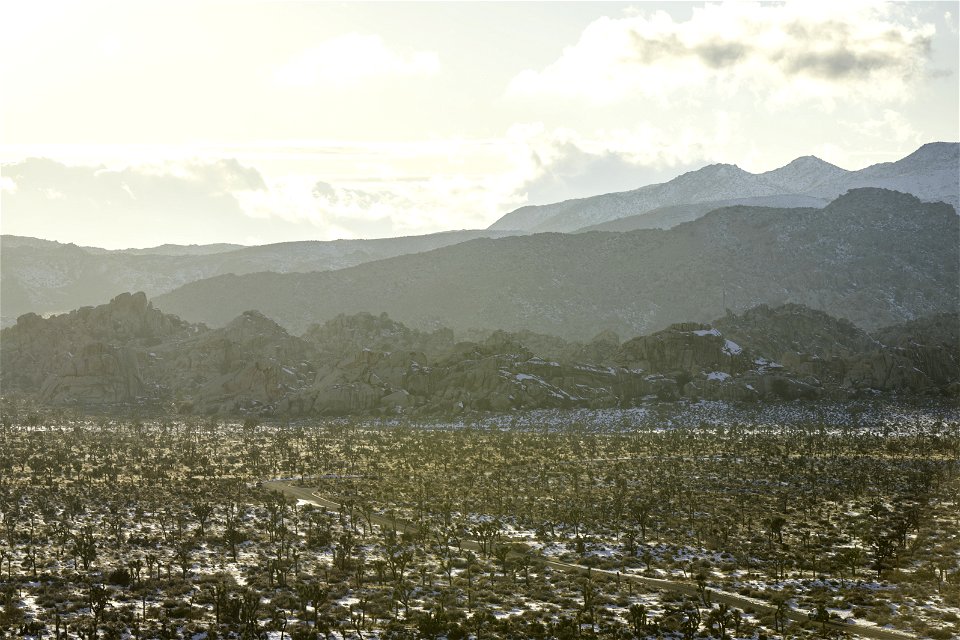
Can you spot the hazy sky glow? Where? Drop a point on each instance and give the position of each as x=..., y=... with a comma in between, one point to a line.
x=139, y=123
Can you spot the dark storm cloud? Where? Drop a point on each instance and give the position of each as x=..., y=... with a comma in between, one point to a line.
x=719, y=54
x=716, y=53
x=828, y=50
x=839, y=63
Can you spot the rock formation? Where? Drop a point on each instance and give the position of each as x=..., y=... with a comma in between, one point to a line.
x=127, y=353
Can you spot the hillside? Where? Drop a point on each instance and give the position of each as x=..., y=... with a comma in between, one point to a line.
x=914, y=354
x=874, y=257
x=671, y=216
x=930, y=173
x=41, y=276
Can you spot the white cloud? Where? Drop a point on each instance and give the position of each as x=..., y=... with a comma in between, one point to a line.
x=324, y=189
x=950, y=20
x=372, y=190
x=782, y=53
x=287, y=198
x=394, y=188
x=351, y=59
x=390, y=206
x=94, y=205
x=891, y=125
x=559, y=164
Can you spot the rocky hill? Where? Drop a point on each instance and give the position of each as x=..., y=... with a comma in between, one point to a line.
x=795, y=328
x=931, y=343
x=128, y=354
x=873, y=257
x=49, y=277
x=93, y=354
x=344, y=335
x=930, y=173
x=914, y=355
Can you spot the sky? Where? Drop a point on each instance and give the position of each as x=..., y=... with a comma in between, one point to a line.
x=133, y=124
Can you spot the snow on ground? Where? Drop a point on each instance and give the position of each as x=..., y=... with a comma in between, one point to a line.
x=732, y=348
x=869, y=417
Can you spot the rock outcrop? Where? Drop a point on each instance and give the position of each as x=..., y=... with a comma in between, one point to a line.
x=128, y=353
x=92, y=355
x=917, y=357
x=97, y=374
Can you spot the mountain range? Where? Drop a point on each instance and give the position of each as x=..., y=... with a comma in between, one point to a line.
x=48, y=277
x=129, y=354
x=930, y=173
x=41, y=276
x=872, y=256
x=808, y=281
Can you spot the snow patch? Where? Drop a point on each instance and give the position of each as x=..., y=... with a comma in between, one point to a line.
x=732, y=348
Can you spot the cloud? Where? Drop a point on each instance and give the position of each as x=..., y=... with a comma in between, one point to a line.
x=390, y=206
x=194, y=177
x=575, y=173
x=530, y=164
x=373, y=191
x=950, y=21
x=782, y=53
x=94, y=205
x=351, y=59
x=358, y=199
x=890, y=126
x=561, y=164
x=359, y=189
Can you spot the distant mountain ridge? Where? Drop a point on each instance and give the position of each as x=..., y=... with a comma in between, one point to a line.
x=930, y=173
x=874, y=257
x=43, y=276
x=11, y=241
x=173, y=249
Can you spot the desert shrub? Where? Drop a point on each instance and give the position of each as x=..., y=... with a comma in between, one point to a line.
x=119, y=577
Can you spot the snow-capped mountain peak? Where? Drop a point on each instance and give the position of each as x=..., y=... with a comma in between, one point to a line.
x=930, y=173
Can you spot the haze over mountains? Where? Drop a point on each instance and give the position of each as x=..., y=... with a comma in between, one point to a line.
x=872, y=256
x=41, y=276
x=930, y=173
